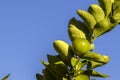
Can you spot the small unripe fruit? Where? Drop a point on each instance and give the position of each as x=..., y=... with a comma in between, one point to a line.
x=80, y=46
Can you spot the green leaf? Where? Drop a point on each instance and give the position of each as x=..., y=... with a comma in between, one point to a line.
x=64, y=50
x=103, y=26
x=116, y=4
x=106, y=6
x=48, y=75
x=6, y=77
x=78, y=29
x=44, y=63
x=53, y=58
x=77, y=65
x=39, y=77
x=116, y=13
x=97, y=12
x=87, y=18
x=95, y=73
x=97, y=57
x=60, y=68
x=117, y=10
x=81, y=77
x=93, y=64
x=52, y=71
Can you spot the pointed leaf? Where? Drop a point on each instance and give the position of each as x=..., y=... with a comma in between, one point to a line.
x=95, y=73
x=87, y=18
x=93, y=64
x=103, y=26
x=97, y=12
x=78, y=29
x=6, y=77
x=64, y=50
x=53, y=58
x=106, y=6
x=97, y=57
x=44, y=63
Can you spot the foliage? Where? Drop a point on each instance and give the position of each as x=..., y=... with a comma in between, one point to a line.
x=78, y=61
x=6, y=77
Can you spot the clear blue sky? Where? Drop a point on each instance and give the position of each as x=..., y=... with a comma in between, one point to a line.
x=29, y=27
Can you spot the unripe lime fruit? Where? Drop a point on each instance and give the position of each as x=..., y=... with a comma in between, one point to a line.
x=80, y=46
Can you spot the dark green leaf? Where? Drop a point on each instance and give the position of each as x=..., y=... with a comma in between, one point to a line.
x=53, y=59
x=6, y=77
x=60, y=68
x=52, y=71
x=49, y=76
x=39, y=77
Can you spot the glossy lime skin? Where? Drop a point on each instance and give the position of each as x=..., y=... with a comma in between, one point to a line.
x=80, y=46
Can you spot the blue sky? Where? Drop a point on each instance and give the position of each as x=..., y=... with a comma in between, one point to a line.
x=29, y=27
